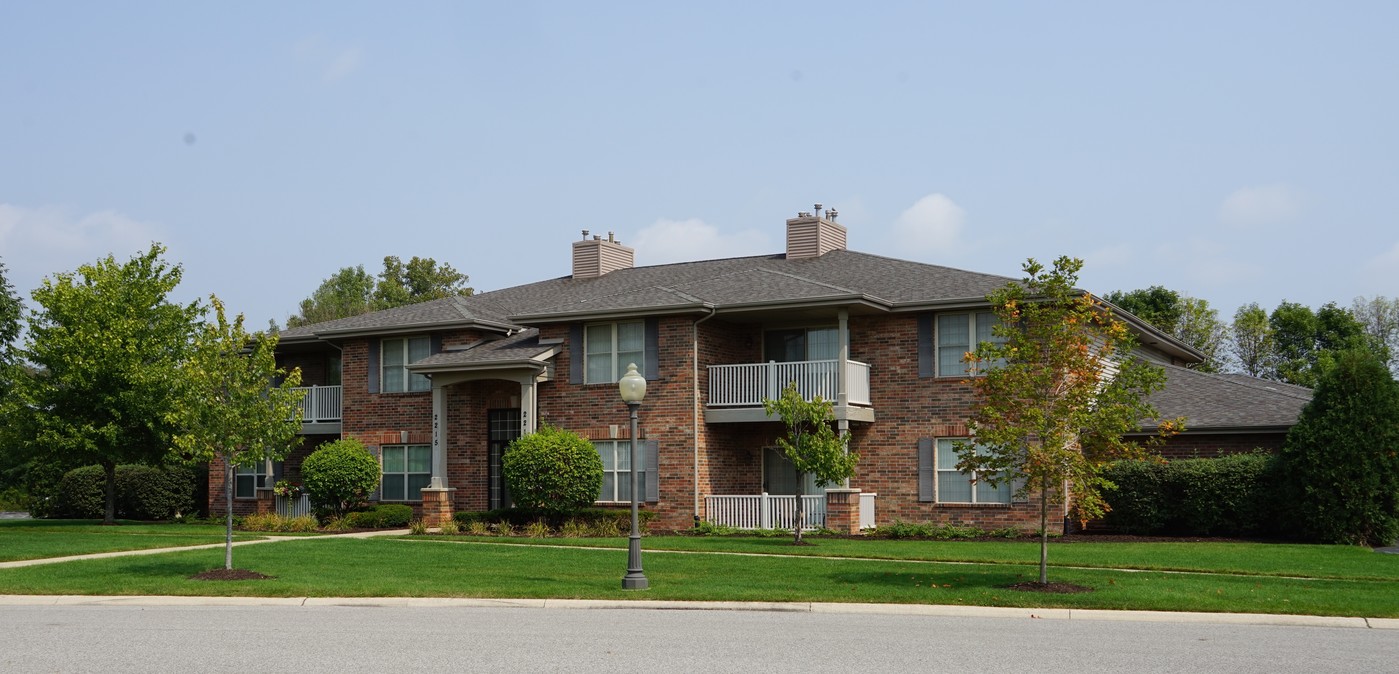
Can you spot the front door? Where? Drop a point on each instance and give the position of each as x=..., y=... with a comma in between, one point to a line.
x=503, y=426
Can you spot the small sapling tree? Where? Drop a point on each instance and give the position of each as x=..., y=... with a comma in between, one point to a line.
x=231, y=410
x=810, y=444
x=1055, y=394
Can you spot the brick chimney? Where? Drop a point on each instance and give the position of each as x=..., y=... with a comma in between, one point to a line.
x=593, y=257
x=814, y=235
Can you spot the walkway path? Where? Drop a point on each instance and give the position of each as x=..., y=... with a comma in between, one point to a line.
x=205, y=546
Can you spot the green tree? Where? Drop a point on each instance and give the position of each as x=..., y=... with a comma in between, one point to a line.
x=231, y=411
x=348, y=292
x=1156, y=305
x=12, y=463
x=554, y=470
x=420, y=280
x=1380, y=318
x=1188, y=319
x=106, y=344
x=1057, y=395
x=1251, y=341
x=1340, y=463
x=1306, y=342
x=351, y=291
x=340, y=475
x=811, y=444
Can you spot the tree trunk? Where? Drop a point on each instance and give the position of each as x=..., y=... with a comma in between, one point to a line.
x=228, y=488
x=109, y=513
x=1044, y=531
x=801, y=511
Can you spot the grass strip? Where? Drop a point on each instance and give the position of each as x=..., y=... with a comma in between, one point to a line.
x=41, y=539
x=384, y=567
x=1339, y=562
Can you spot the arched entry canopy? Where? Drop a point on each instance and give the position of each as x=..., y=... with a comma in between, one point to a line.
x=520, y=358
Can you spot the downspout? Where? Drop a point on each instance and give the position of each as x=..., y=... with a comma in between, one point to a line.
x=695, y=427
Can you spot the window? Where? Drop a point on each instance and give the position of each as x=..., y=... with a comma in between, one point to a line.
x=955, y=486
x=249, y=478
x=801, y=344
x=616, y=471
x=610, y=347
x=395, y=356
x=959, y=333
x=407, y=469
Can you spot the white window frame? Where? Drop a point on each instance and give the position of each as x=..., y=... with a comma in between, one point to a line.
x=255, y=472
x=384, y=476
x=939, y=470
x=973, y=317
x=619, y=363
x=619, y=449
x=412, y=383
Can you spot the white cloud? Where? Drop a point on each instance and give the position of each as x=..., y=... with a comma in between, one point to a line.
x=666, y=241
x=38, y=242
x=344, y=63
x=931, y=225
x=1270, y=204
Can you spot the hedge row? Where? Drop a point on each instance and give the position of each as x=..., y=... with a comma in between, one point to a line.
x=1229, y=496
x=385, y=516
x=520, y=517
x=143, y=493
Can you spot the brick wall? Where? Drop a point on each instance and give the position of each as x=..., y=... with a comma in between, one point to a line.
x=1211, y=446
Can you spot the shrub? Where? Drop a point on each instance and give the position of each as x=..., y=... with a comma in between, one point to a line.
x=417, y=527
x=1138, y=500
x=383, y=516
x=553, y=470
x=1228, y=496
x=1339, y=467
x=450, y=528
x=478, y=528
x=275, y=522
x=340, y=475
x=538, y=529
x=143, y=492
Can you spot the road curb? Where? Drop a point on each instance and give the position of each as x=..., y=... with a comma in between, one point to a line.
x=929, y=610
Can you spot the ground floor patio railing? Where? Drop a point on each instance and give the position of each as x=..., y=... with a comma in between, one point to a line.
x=294, y=507
x=764, y=511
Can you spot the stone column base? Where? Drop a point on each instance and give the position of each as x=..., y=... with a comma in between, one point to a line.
x=843, y=510
x=437, y=505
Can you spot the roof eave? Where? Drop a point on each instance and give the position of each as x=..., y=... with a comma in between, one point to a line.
x=410, y=328
x=611, y=314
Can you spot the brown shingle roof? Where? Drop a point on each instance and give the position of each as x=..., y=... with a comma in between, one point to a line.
x=1228, y=401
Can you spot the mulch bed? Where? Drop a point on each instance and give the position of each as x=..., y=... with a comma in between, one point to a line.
x=230, y=574
x=1049, y=588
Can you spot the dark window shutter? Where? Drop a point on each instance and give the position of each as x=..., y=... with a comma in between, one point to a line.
x=927, y=364
x=434, y=344
x=276, y=472
x=652, y=449
x=576, y=354
x=373, y=366
x=378, y=458
x=653, y=349
x=926, y=469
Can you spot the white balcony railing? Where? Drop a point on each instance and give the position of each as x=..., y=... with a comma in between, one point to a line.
x=294, y=507
x=764, y=511
x=321, y=404
x=747, y=385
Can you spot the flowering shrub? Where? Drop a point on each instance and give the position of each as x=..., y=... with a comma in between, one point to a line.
x=288, y=489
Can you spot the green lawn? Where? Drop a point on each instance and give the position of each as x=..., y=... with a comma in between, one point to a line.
x=1267, y=559
x=454, y=568
x=37, y=539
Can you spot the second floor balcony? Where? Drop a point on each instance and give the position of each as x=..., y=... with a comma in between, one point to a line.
x=737, y=391
x=320, y=409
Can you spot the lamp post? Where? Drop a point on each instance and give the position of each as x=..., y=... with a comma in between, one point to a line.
x=633, y=388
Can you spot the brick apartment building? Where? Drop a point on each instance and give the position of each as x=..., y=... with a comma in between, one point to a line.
x=437, y=390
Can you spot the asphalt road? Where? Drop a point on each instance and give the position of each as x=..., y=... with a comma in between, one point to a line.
x=410, y=639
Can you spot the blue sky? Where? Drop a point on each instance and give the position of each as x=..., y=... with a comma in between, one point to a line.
x=1234, y=151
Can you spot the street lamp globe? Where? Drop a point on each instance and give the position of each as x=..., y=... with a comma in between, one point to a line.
x=632, y=385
